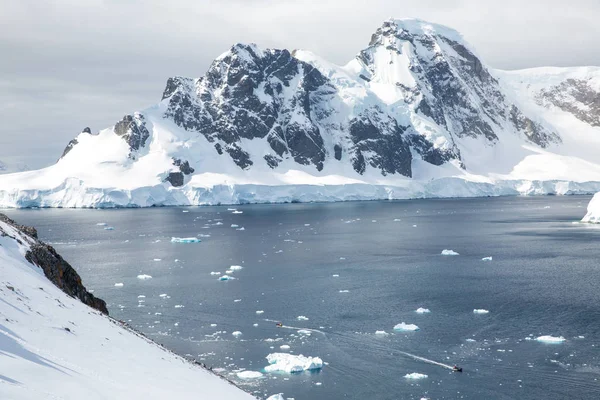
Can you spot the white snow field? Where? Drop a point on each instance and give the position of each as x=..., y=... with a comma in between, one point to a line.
x=53, y=346
x=284, y=362
x=99, y=170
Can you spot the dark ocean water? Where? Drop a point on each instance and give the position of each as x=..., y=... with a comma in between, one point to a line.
x=544, y=279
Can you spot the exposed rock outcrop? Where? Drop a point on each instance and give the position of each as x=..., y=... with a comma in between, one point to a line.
x=56, y=268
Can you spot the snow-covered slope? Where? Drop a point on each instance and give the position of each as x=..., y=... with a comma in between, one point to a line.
x=52, y=346
x=415, y=114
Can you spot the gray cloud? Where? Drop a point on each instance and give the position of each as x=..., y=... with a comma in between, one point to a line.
x=67, y=64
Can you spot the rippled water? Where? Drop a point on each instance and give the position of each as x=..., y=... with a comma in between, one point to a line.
x=544, y=279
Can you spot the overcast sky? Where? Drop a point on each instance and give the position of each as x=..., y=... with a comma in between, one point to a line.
x=68, y=64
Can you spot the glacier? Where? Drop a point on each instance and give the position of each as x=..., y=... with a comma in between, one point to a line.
x=416, y=114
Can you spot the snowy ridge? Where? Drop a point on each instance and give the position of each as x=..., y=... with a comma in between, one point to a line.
x=91, y=355
x=415, y=114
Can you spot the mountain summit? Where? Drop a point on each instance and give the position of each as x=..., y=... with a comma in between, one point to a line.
x=416, y=108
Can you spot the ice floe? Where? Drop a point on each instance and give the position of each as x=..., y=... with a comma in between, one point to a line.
x=415, y=375
x=284, y=347
x=422, y=310
x=101, y=224
x=480, y=311
x=278, y=396
x=447, y=252
x=144, y=277
x=259, y=311
x=185, y=240
x=381, y=333
x=284, y=362
x=237, y=212
x=406, y=327
x=344, y=291
x=302, y=318
x=235, y=267
x=550, y=339
x=120, y=284
x=250, y=375
x=109, y=228
x=236, y=333
x=487, y=258
x=226, y=278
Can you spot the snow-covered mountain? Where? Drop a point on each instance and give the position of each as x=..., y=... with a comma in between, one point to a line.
x=52, y=345
x=415, y=114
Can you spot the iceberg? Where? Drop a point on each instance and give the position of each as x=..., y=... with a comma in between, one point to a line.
x=236, y=333
x=415, y=375
x=250, y=375
x=302, y=318
x=185, y=240
x=406, y=327
x=593, y=210
x=422, y=310
x=284, y=347
x=550, y=339
x=278, y=396
x=447, y=252
x=480, y=311
x=144, y=277
x=226, y=278
x=381, y=333
x=236, y=267
x=289, y=363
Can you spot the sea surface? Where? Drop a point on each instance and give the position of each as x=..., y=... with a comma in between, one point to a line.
x=353, y=269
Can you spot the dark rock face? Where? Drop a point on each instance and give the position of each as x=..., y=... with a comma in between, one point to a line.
x=337, y=152
x=378, y=135
x=575, y=96
x=56, y=269
x=534, y=131
x=248, y=94
x=184, y=166
x=132, y=128
x=175, y=179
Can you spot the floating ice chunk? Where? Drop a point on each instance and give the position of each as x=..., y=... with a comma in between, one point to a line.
x=202, y=235
x=231, y=209
x=469, y=340
x=241, y=229
x=237, y=212
x=236, y=333
x=302, y=318
x=406, y=327
x=255, y=325
x=237, y=300
x=336, y=275
x=141, y=296
x=397, y=220
x=163, y=295
x=213, y=325
x=234, y=225
x=304, y=332
x=250, y=375
x=414, y=226
x=215, y=273
x=415, y=375
x=278, y=396
x=422, y=310
x=101, y=224
x=487, y=258
x=157, y=259
x=381, y=333
x=550, y=339
x=185, y=211
x=185, y=240
x=306, y=224
x=219, y=223
x=179, y=306
x=290, y=363
x=226, y=278
x=260, y=312
x=236, y=267
x=480, y=311
x=109, y=228
x=344, y=291
x=144, y=277
x=120, y=284
x=447, y=252
x=284, y=347
x=229, y=271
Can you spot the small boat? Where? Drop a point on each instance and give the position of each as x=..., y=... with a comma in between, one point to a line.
x=456, y=369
